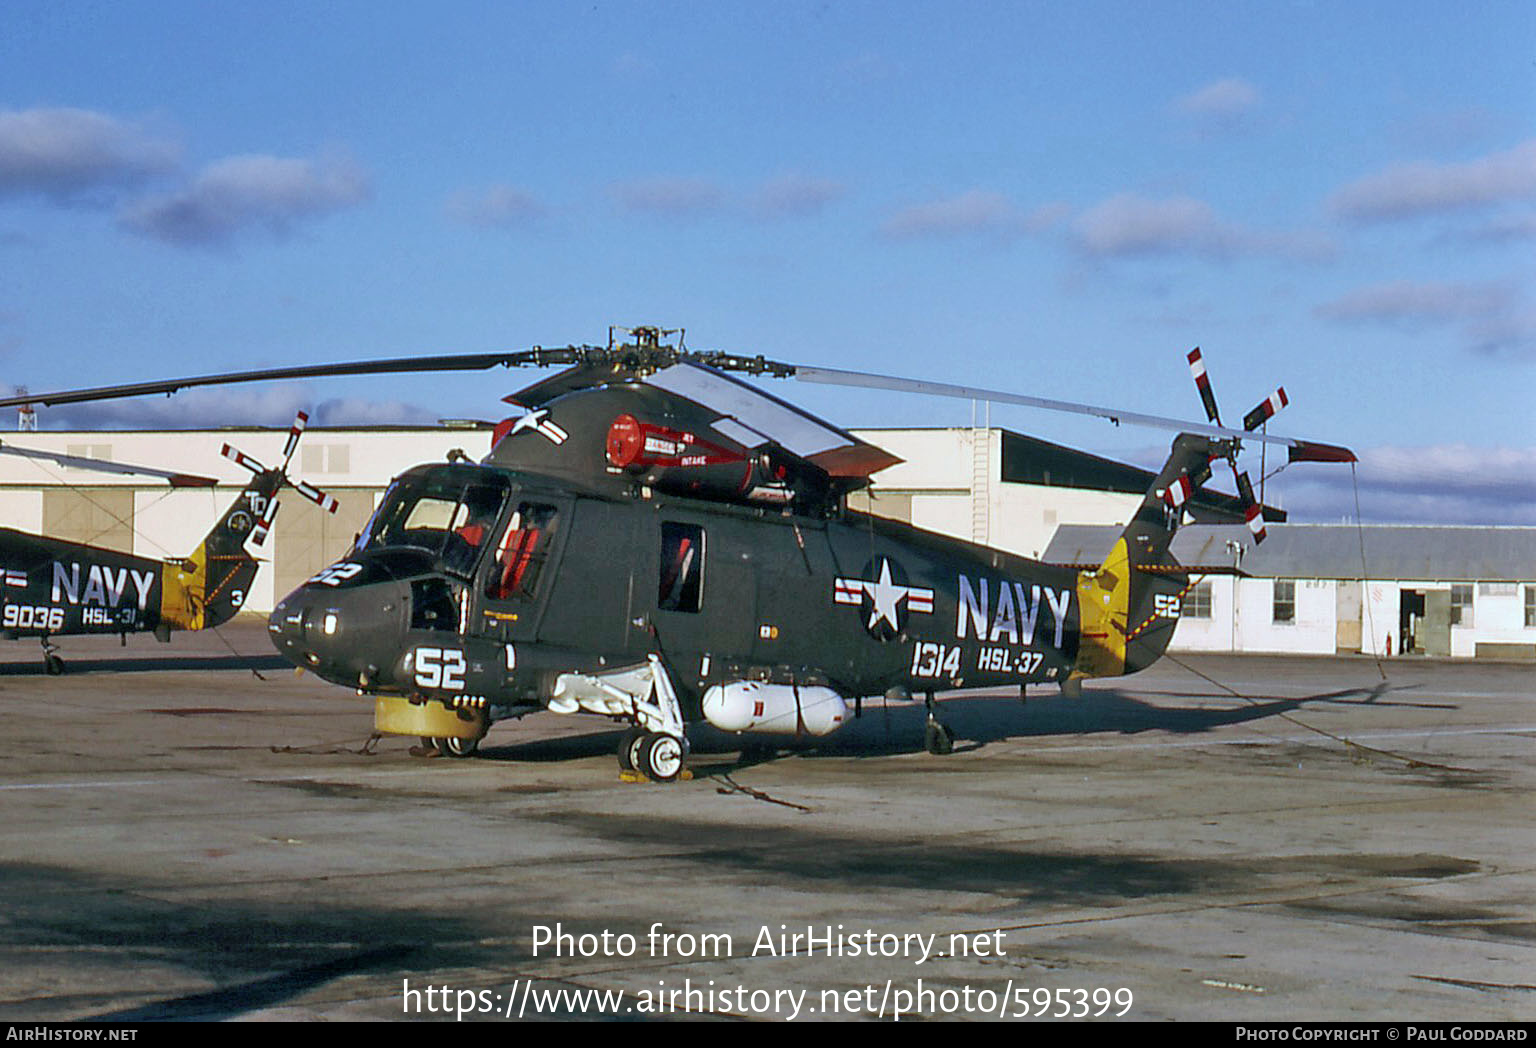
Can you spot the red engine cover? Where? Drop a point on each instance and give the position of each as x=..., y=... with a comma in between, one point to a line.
x=624, y=442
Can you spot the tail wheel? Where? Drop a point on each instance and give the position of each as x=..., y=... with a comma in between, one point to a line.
x=53, y=664
x=659, y=757
x=939, y=738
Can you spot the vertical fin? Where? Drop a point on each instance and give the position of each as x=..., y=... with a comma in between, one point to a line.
x=1129, y=606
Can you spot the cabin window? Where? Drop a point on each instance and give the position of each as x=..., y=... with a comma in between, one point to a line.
x=1197, y=602
x=1285, y=600
x=521, y=552
x=1461, y=604
x=682, y=567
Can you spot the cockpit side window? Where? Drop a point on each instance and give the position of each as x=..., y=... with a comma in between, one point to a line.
x=521, y=552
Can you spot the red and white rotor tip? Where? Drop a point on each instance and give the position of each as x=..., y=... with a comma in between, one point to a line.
x=1179, y=491
x=1203, y=384
x=1255, y=516
x=243, y=459
x=1266, y=409
x=294, y=433
x=315, y=495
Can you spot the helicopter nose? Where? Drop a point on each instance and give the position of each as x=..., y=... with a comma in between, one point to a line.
x=342, y=636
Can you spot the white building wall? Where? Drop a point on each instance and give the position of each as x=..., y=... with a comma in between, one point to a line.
x=1379, y=618
x=945, y=514
x=1029, y=514
x=1243, y=619
x=22, y=509
x=1498, y=614
x=939, y=469
x=1217, y=633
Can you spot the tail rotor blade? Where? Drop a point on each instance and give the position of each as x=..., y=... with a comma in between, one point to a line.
x=1266, y=409
x=243, y=459
x=1253, y=513
x=294, y=433
x=263, y=526
x=315, y=495
x=1203, y=384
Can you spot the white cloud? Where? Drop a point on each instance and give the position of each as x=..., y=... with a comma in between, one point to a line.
x=72, y=154
x=794, y=196
x=1128, y=225
x=1416, y=304
x=245, y=192
x=1492, y=317
x=1442, y=484
x=1220, y=106
x=1413, y=190
x=673, y=197
x=974, y=212
x=499, y=205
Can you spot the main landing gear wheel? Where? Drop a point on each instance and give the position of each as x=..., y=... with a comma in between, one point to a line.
x=629, y=748
x=659, y=756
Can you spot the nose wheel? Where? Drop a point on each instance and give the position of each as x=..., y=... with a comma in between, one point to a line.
x=451, y=747
x=454, y=746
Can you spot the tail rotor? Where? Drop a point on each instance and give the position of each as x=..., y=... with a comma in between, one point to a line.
x=1266, y=409
x=280, y=478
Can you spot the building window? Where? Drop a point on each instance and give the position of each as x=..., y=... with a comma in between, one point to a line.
x=1197, y=602
x=1461, y=604
x=1530, y=605
x=1285, y=600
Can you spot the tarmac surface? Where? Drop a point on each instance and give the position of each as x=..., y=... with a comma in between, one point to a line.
x=1217, y=838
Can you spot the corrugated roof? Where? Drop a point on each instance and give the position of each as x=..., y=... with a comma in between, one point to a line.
x=1331, y=551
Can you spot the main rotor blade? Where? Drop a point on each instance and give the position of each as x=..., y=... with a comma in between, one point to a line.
x=176, y=480
x=538, y=357
x=836, y=377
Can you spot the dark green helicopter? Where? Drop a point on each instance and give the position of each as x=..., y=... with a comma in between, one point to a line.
x=658, y=541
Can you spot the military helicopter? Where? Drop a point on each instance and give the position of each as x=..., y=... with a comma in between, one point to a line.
x=658, y=541
x=52, y=587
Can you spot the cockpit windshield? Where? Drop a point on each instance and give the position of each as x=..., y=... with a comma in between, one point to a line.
x=445, y=515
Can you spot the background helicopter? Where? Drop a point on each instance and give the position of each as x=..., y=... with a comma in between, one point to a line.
x=50, y=587
x=658, y=541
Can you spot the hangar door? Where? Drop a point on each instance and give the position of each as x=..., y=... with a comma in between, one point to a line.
x=308, y=539
x=94, y=516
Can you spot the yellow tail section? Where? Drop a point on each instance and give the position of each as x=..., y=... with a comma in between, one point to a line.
x=1103, y=600
x=183, y=591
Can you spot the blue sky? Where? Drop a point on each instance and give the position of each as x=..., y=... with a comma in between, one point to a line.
x=1056, y=199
